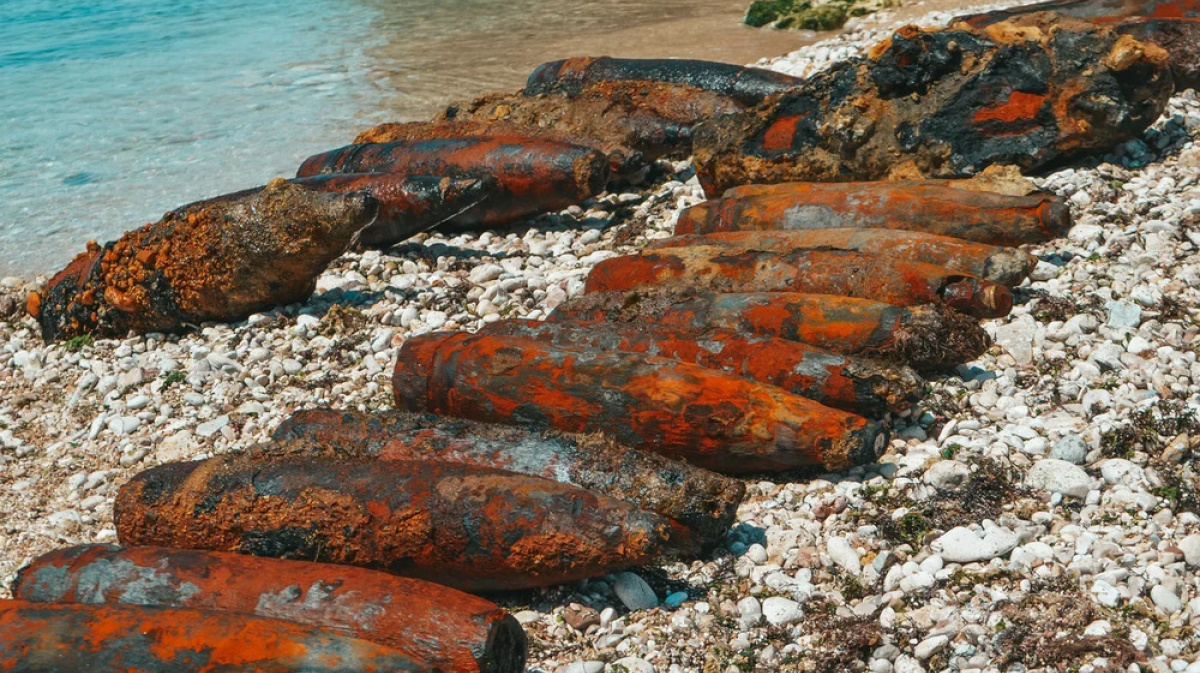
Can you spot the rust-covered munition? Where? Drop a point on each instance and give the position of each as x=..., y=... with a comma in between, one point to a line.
x=945, y=104
x=926, y=337
x=62, y=637
x=1100, y=11
x=709, y=418
x=533, y=176
x=748, y=85
x=703, y=501
x=622, y=160
x=468, y=527
x=998, y=264
x=830, y=272
x=408, y=205
x=980, y=217
x=856, y=385
x=216, y=260
x=1174, y=26
x=655, y=120
x=447, y=628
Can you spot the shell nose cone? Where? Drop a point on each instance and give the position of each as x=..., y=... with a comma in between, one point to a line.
x=999, y=299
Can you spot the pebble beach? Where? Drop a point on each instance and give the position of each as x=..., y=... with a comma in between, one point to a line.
x=1038, y=511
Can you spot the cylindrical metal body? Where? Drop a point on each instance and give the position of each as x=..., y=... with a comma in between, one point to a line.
x=533, y=176
x=622, y=160
x=467, y=527
x=708, y=418
x=947, y=103
x=926, y=337
x=998, y=264
x=748, y=85
x=62, y=637
x=408, y=204
x=215, y=260
x=832, y=272
x=703, y=501
x=1099, y=11
x=447, y=628
x=851, y=384
x=980, y=217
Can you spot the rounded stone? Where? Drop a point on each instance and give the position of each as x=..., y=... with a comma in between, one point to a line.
x=633, y=592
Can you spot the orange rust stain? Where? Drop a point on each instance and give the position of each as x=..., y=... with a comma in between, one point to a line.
x=1020, y=106
x=781, y=134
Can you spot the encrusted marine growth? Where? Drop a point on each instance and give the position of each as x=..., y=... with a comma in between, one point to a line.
x=215, y=260
x=1174, y=26
x=467, y=527
x=945, y=104
x=703, y=501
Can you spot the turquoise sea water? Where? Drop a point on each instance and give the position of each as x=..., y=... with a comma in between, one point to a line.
x=114, y=111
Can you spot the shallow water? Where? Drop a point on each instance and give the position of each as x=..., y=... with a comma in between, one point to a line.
x=114, y=112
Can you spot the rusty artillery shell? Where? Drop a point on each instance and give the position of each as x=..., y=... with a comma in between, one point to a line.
x=945, y=104
x=833, y=272
x=533, y=176
x=444, y=627
x=980, y=217
x=60, y=637
x=1173, y=26
x=653, y=120
x=748, y=85
x=1099, y=11
x=216, y=260
x=856, y=385
x=408, y=205
x=998, y=264
x=926, y=337
x=472, y=528
x=622, y=160
x=711, y=419
x=703, y=501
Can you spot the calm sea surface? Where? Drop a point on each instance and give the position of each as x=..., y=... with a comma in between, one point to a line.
x=115, y=111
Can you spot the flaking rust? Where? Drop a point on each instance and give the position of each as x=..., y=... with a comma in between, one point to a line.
x=1173, y=26
x=711, y=419
x=447, y=628
x=613, y=140
x=1100, y=11
x=926, y=207
x=53, y=637
x=652, y=120
x=532, y=176
x=856, y=385
x=830, y=272
x=703, y=501
x=925, y=337
x=408, y=205
x=467, y=527
x=216, y=260
x=745, y=84
x=945, y=104
x=1007, y=266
